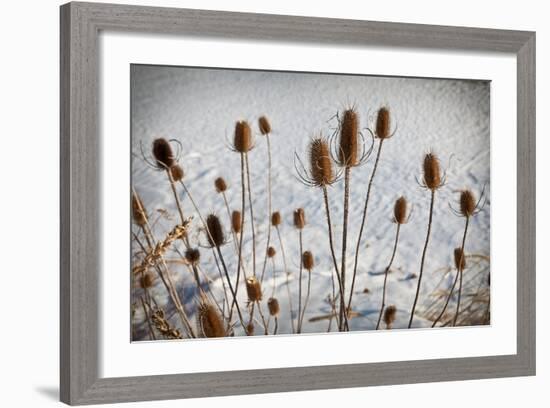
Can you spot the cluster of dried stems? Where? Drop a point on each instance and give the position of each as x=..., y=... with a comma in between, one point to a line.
x=329, y=160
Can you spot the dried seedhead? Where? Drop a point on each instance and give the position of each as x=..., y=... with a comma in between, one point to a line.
x=460, y=259
x=163, y=154
x=276, y=219
x=236, y=221
x=253, y=289
x=271, y=252
x=432, y=179
x=193, y=256
x=138, y=211
x=299, y=218
x=250, y=329
x=468, y=206
x=383, y=124
x=220, y=184
x=146, y=281
x=400, y=211
x=209, y=321
x=264, y=125
x=307, y=260
x=214, y=231
x=321, y=172
x=177, y=172
x=389, y=316
x=273, y=306
x=349, y=149
x=243, y=141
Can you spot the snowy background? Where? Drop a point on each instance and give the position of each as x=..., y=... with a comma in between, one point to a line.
x=199, y=108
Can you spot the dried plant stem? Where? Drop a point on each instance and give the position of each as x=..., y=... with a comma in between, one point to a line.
x=276, y=325
x=347, y=179
x=233, y=291
x=148, y=320
x=363, y=222
x=178, y=203
x=273, y=277
x=386, y=272
x=332, y=303
x=269, y=209
x=243, y=205
x=333, y=253
x=299, y=328
x=286, y=276
x=461, y=271
x=423, y=257
x=306, y=301
x=251, y=209
x=235, y=235
x=264, y=323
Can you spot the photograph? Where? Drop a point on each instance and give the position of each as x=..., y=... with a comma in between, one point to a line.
x=270, y=203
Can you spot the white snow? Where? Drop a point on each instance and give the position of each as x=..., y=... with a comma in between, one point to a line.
x=199, y=108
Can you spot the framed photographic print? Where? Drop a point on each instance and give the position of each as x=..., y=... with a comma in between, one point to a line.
x=311, y=203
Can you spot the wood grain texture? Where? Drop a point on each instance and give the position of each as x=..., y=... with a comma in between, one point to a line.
x=80, y=189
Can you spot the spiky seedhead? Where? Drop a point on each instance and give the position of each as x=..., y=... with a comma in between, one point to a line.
x=307, y=260
x=163, y=154
x=276, y=219
x=460, y=259
x=138, y=211
x=389, y=315
x=383, y=123
x=299, y=218
x=322, y=172
x=271, y=252
x=209, y=320
x=192, y=256
x=177, y=172
x=273, y=306
x=220, y=184
x=432, y=172
x=249, y=329
x=467, y=203
x=242, y=142
x=253, y=289
x=236, y=221
x=214, y=231
x=400, y=210
x=264, y=125
x=348, y=147
x=146, y=281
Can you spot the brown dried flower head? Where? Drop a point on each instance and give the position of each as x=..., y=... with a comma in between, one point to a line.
x=400, y=210
x=250, y=329
x=146, y=281
x=460, y=259
x=236, y=221
x=271, y=252
x=276, y=218
x=299, y=218
x=322, y=173
x=467, y=203
x=210, y=321
x=383, y=123
x=273, y=306
x=253, y=289
x=389, y=315
x=193, y=256
x=177, y=172
x=264, y=125
x=243, y=137
x=432, y=172
x=220, y=184
x=349, y=139
x=307, y=260
x=163, y=154
x=138, y=211
x=215, y=234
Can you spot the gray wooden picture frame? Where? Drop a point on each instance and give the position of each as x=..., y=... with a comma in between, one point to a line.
x=80, y=192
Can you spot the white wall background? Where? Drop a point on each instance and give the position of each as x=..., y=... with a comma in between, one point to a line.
x=29, y=204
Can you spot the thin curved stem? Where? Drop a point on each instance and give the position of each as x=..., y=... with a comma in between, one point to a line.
x=343, y=311
x=243, y=204
x=461, y=272
x=286, y=275
x=363, y=223
x=308, y=291
x=386, y=272
x=269, y=205
x=251, y=208
x=299, y=326
x=423, y=257
x=233, y=292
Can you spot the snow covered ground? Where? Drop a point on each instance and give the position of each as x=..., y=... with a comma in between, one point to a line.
x=199, y=107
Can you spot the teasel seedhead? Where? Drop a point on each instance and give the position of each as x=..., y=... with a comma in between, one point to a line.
x=273, y=306
x=264, y=125
x=460, y=259
x=242, y=141
x=276, y=219
x=271, y=252
x=220, y=185
x=146, y=280
x=299, y=218
x=307, y=260
x=432, y=179
x=177, y=172
x=163, y=154
x=253, y=289
x=383, y=124
x=192, y=256
x=400, y=215
x=236, y=221
x=349, y=149
x=138, y=211
x=214, y=231
x=249, y=329
x=209, y=320
x=321, y=170
x=389, y=316
x=467, y=204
